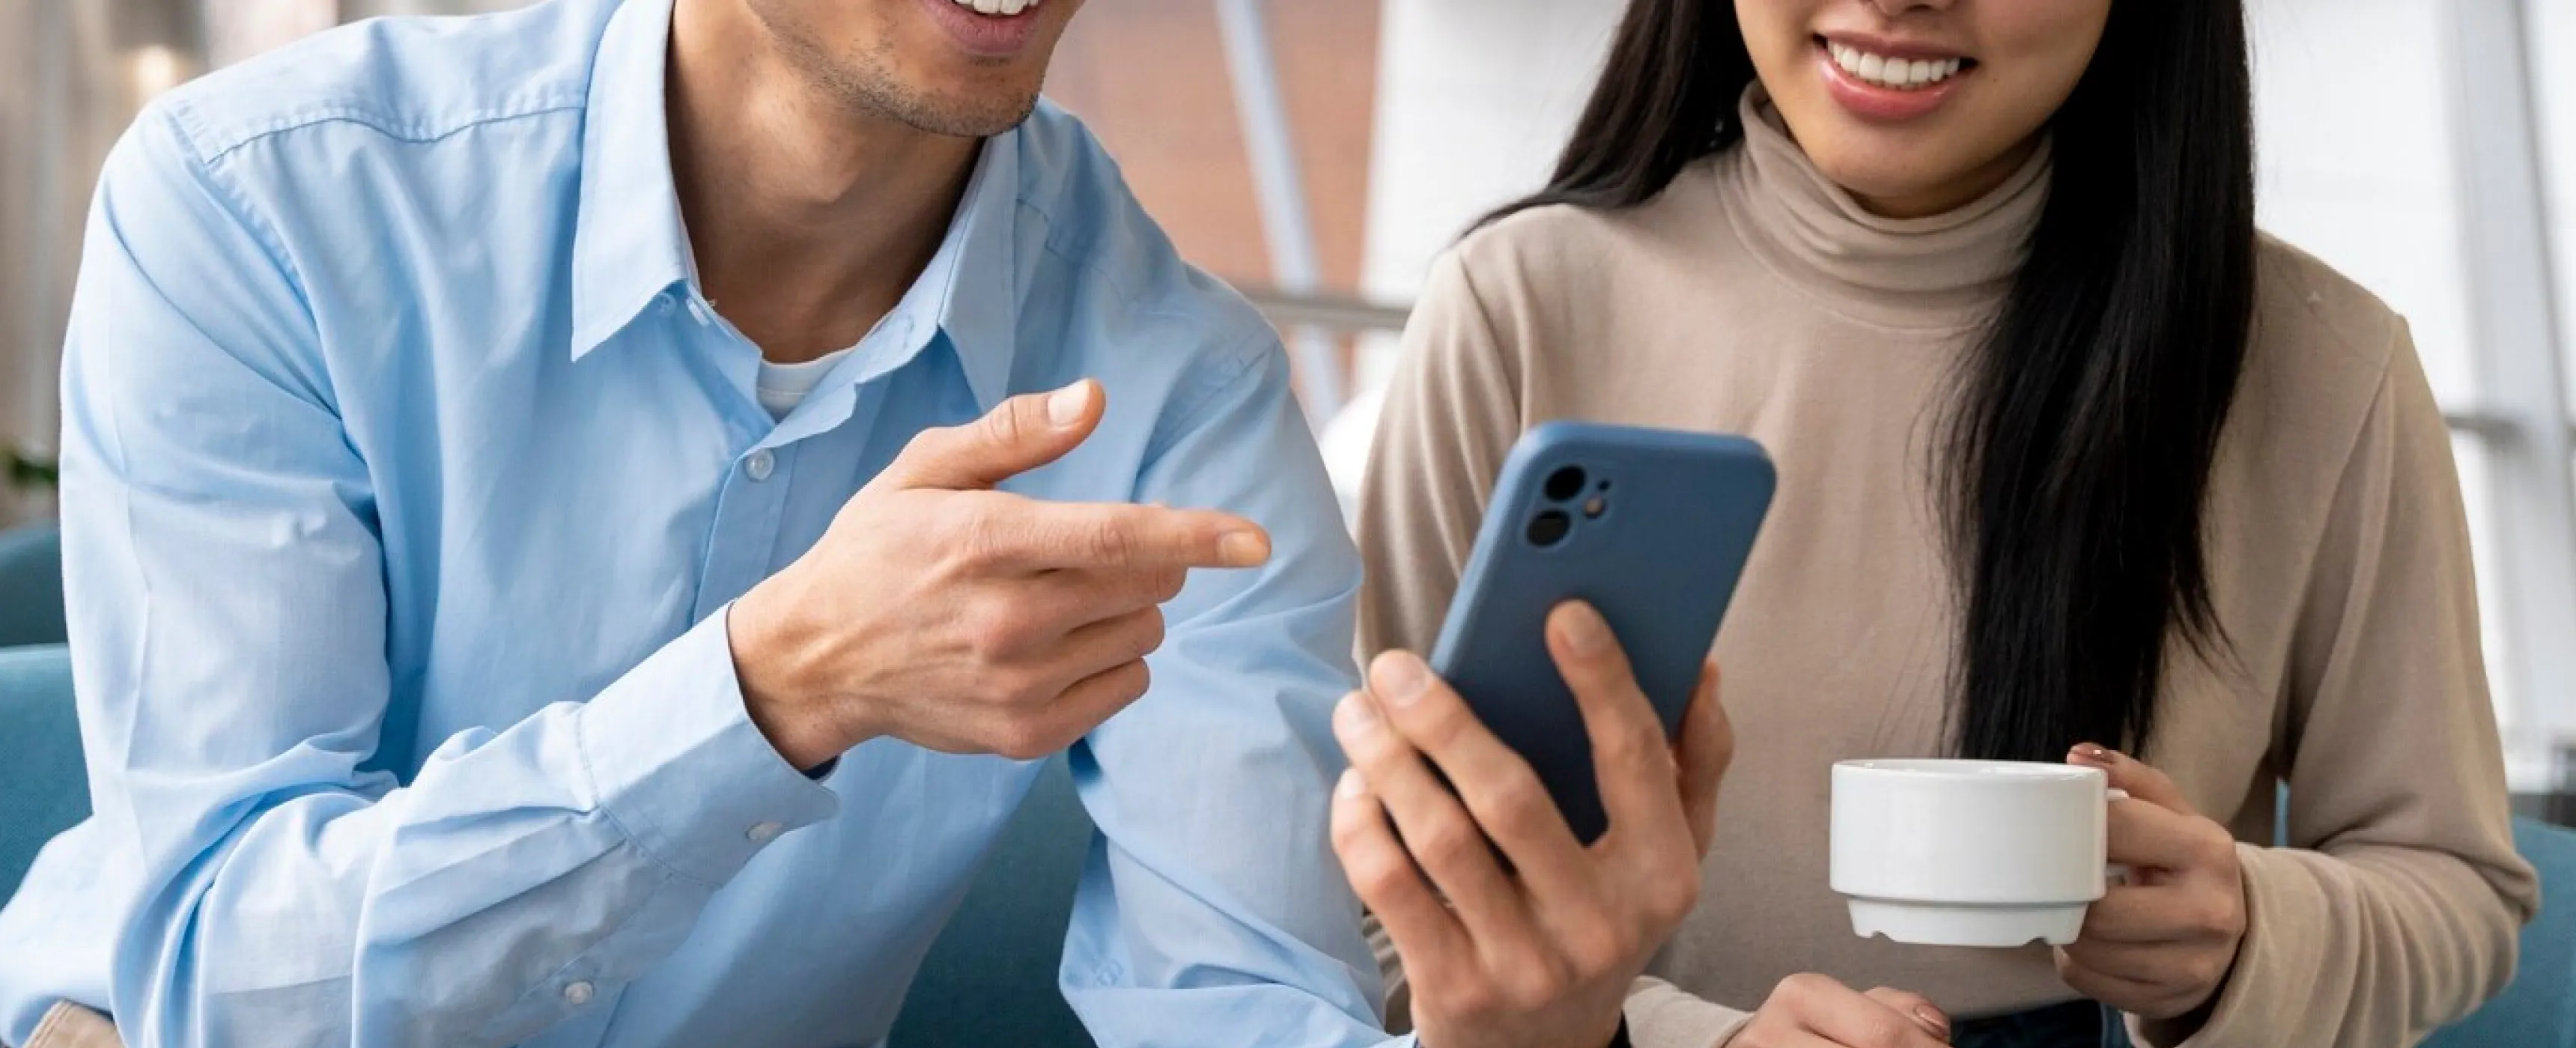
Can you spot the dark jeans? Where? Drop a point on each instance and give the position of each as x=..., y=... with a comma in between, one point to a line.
x=2075, y=1024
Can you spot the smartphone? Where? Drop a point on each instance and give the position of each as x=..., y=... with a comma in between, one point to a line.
x=1652, y=528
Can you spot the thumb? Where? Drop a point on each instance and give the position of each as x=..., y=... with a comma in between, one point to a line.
x=1022, y=434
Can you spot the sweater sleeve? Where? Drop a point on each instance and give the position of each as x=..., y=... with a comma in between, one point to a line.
x=2396, y=909
x=1452, y=412
x=1662, y=1015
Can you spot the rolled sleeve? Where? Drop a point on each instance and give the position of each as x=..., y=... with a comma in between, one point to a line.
x=654, y=740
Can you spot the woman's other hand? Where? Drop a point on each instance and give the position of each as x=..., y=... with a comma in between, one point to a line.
x=2160, y=945
x=1541, y=956
x=1814, y=1011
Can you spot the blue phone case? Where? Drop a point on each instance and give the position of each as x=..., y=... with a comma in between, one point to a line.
x=1658, y=554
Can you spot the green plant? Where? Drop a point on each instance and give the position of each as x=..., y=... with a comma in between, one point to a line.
x=28, y=472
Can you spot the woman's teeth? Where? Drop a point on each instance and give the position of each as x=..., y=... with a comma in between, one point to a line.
x=1002, y=8
x=1896, y=73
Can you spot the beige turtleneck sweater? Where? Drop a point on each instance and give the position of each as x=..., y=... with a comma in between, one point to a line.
x=1756, y=297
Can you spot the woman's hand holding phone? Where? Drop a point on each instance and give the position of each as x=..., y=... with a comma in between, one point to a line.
x=1541, y=955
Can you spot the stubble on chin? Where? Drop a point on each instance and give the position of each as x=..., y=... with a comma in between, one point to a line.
x=867, y=82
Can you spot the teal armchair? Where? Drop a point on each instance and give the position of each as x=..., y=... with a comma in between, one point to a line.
x=43, y=789
x=31, y=585
x=991, y=976
x=2539, y=1009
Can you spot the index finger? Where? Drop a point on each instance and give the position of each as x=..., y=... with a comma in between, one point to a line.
x=2142, y=780
x=1386, y=878
x=1108, y=535
x=1496, y=783
x=1914, y=1006
x=1842, y=1015
x=2144, y=834
x=1631, y=756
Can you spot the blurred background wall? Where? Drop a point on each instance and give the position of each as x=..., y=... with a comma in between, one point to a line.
x=71, y=76
x=1319, y=153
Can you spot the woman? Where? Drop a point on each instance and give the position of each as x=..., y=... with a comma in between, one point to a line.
x=2073, y=464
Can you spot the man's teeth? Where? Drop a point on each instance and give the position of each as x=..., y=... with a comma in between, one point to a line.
x=1897, y=73
x=1003, y=8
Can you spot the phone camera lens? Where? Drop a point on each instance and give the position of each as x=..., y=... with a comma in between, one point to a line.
x=1564, y=484
x=1549, y=528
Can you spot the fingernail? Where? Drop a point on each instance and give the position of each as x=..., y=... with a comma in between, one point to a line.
x=1585, y=633
x=1357, y=715
x=1065, y=406
x=1351, y=785
x=1243, y=549
x=1932, y=1016
x=1398, y=677
x=2091, y=752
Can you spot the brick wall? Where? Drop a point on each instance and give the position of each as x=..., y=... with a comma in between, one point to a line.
x=1150, y=78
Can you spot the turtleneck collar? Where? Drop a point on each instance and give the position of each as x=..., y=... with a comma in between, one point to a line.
x=1941, y=271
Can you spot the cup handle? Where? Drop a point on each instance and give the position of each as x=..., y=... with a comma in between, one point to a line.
x=2115, y=873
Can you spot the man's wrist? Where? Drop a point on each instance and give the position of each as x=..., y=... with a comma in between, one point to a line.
x=765, y=668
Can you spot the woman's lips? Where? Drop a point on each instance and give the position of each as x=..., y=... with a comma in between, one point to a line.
x=1888, y=83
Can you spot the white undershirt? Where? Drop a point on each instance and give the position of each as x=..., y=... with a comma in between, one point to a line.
x=783, y=386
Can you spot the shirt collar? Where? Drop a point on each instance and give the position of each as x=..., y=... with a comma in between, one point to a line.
x=977, y=274
x=627, y=243
x=630, y=245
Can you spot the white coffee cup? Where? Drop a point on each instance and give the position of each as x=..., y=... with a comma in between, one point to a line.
x=1970, y=853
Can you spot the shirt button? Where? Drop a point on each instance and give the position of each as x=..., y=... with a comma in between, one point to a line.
x=578, y=993
x=760, y=464
x=764, y=832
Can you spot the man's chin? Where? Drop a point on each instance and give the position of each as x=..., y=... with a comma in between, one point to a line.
x=980, y=115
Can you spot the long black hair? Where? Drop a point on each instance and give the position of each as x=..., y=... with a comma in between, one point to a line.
x=2076, y=450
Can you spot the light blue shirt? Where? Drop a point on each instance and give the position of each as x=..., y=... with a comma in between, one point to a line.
x=407, y=479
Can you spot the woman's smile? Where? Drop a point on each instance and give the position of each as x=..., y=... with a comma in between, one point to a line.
x=1879, y=80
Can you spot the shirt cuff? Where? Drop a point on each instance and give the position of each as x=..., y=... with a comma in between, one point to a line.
x=676, y=762
x=1662, y=1015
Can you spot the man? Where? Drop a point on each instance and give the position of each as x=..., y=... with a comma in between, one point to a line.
x=539, y=577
